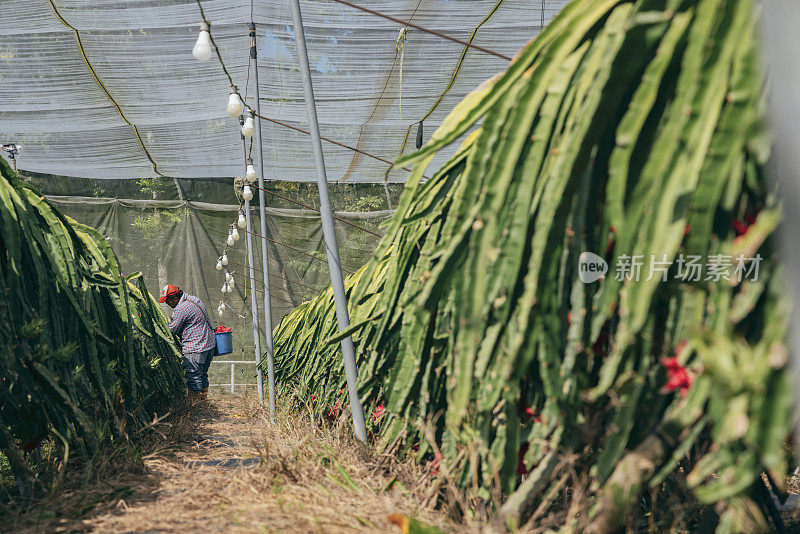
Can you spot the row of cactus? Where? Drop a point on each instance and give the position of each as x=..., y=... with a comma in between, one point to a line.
x=629, y=129
x=86, y=357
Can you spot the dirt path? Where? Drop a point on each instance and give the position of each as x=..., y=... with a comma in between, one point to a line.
x=231, y=472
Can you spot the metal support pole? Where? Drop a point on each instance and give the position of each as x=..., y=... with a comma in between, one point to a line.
x=264, y=251
x=232, y=375
x=253, y=297
x=328, y=228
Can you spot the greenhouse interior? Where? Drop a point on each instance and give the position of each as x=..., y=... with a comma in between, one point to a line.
x=415, y=266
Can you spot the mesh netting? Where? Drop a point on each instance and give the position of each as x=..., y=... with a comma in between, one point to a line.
x=179, y=242
x=100, y=89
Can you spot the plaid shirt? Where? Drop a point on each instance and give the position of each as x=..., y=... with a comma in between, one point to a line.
x=192, y=324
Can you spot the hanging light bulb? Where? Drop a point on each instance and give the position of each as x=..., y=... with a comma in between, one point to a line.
x=235, y=234
x=251, y=173
x=230, y=241
x=219, y=265
x=224, y=259
x=222, y=305
x=231, y=284
x=220, y=312
x=249, y=127
x=241, y=222
x=202, y=48
x=247, y=193
x=228, y=276
x=230, y=288
x=235, y=104
x=224, y=288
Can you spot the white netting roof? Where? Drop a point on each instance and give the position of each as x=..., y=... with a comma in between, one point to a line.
x=140, y=50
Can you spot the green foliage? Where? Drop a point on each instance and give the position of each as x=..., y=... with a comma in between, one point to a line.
x=156, y=186
x=156, y=223
x=356, y=197
x=85, y=353
x=630, y=127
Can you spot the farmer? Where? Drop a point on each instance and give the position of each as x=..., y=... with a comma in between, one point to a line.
x=191, y=323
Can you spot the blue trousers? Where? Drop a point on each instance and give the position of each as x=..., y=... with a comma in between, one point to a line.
x=196, y=365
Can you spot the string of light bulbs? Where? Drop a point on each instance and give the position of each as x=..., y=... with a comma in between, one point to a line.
x=236, y=106
x=202, y=52
x=224, y=261
x=236, y=109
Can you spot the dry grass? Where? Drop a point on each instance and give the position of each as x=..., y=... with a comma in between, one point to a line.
x=220, y=466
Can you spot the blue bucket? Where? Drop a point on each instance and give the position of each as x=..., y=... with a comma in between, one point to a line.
x=224, y=342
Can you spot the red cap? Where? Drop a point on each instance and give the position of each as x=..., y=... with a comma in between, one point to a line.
x=168, y=291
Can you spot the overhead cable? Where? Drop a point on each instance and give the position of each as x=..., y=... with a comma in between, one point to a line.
x=216, y=48
x=277, y=276
x=284, y=124
x=282, y=289
x=295, y=249
x=450, y=84
x=317, y=211
x=354, y=149
x=422, y=28
x=273, y=296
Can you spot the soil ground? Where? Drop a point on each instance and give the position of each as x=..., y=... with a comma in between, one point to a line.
x=223, y=468
x=220, y=466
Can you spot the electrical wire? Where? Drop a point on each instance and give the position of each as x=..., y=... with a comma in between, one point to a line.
x=337, y=143
x=422, y=28
x=378, y=101
x=277, y=276
x=316, y=210
x=452, y=81
x=216, y=48
x=254, y=280
x=284, y=124
x=541, y=20
x=275, y=297
x=295, y=249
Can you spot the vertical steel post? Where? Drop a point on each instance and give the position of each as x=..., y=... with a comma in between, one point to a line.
x=232, y=376
x=253, y=297
x=264, y=251
x=328, y=228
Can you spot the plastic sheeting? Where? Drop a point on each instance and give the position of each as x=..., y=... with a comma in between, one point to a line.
x=53, y=104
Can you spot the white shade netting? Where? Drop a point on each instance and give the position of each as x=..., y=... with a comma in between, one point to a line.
x=111, y=90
